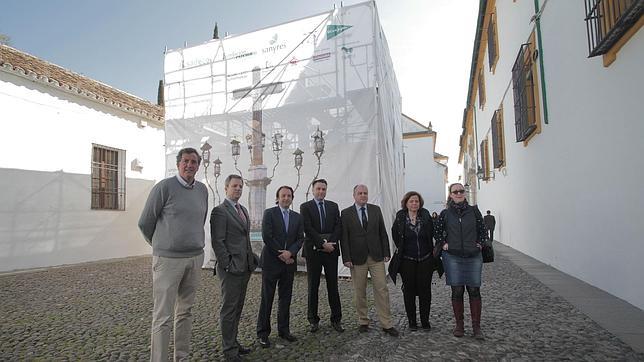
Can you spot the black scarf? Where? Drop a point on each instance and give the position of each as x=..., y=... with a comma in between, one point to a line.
x=460, y=207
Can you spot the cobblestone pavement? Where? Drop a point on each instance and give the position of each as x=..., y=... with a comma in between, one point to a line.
x=102, y=311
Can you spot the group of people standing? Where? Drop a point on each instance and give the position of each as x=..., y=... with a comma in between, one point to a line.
x=172, y=222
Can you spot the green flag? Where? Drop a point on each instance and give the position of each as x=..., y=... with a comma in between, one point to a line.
x=333, y=30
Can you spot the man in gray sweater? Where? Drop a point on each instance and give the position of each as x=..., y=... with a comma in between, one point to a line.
x=172, y=222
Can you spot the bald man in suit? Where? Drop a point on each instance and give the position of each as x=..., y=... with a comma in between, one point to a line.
x=365, y=249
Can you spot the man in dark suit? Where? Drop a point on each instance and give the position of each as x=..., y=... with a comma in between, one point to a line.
x=229, y=228
x=365, y=248
x=323, y=230
x=490, y=223
x=283, y=235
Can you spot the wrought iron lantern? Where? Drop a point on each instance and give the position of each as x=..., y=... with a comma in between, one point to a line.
x=205, y=154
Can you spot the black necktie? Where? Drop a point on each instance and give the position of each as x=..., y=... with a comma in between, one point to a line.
x=364, y=218
x=322, y=217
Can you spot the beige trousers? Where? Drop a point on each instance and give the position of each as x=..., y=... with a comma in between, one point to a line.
x=380, y=291
x=174, y=286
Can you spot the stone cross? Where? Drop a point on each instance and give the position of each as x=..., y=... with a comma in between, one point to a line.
x=258, y=180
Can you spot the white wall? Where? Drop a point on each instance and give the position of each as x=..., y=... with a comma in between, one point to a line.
x=423, y=174
x=45, y=166
x=572, y=197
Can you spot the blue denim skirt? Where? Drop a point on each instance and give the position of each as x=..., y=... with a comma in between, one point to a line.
x=462, y=271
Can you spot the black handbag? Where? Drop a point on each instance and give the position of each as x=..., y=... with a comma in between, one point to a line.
x=394, y=265
x=488, y=252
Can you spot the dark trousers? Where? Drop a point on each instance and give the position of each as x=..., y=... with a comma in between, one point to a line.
x=491, y=234
x=283, y=280
x=314, y=264
x=417, y=281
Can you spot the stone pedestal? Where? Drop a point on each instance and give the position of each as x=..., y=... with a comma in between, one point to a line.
x=257, y=183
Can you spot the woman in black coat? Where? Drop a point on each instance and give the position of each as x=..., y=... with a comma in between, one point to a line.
x=413, y=233
x=460, y=234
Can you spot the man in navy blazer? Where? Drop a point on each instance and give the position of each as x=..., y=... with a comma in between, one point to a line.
x=283, y=235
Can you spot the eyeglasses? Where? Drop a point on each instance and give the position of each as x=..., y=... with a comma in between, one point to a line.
x=456, y=192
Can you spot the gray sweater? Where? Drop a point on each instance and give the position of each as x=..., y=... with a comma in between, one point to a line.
x=173, y=218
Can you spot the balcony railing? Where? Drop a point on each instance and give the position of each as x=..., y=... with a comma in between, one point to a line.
x=608, y=20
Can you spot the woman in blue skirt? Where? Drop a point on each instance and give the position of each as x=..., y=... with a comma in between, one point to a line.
x=460, y=233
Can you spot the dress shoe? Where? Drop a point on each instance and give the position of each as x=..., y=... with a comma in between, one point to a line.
x=337, y=326
x=413, y=327
x=243, y=350
x=391, y=331
x=236, y=358
x=314, y=327
x=264, y=342
x=288, y=337
x=363, y=328
x=427, y=327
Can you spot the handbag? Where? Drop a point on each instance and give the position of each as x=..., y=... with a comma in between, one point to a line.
x=394, y=265
x=488, y=252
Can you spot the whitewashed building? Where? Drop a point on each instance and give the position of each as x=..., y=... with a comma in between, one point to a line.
x=425, y=169
x=553, y=126
x=77, y=160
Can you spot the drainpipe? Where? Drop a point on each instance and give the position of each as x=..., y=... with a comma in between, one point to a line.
x=537, y=18
x=476, y=152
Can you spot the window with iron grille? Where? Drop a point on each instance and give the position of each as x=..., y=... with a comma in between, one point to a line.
x=481, y=89
x=108, y=178
x=525, y=92
x=498, y=142
x=485, y=160
x=608, y=20
x=492, y=42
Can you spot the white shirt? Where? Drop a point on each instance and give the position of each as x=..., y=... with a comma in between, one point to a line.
x=185, y=183
x=360, y=212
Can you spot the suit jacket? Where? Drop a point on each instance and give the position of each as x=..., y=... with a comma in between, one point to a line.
x=231, y=239
x=276, y=238
x=312, y=228
x=357, y=243
x=490, y=221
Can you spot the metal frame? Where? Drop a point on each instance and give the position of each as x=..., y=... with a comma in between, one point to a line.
x=608, y=20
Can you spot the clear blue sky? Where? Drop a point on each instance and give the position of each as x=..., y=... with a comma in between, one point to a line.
x=121, y=43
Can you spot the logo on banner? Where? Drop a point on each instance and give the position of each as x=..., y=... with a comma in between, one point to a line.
x=321, y=56
x=334, y=30
x=197, y=62
x=241, y=54
x=274, y=45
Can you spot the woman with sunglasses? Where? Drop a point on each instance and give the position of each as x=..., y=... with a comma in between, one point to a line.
x=460, y=234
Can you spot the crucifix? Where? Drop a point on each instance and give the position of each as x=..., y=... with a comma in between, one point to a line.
x=258, y=180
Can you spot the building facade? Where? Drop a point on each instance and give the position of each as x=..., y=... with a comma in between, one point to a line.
x=77, y=161
x=551, y=134
x=426, y=175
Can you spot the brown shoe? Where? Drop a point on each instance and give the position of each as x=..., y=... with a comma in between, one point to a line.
x=391, y=331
